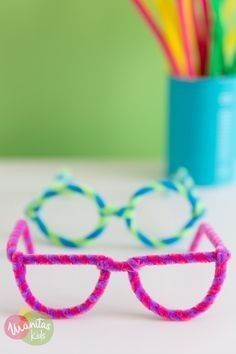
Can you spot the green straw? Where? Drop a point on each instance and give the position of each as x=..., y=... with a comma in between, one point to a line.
x=216, y=66
x=229, y=21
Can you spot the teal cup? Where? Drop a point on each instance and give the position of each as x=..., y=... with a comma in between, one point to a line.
x=202, y=128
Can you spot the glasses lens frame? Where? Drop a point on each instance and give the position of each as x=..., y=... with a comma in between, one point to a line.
x=65, y=186
x=106, y=265
x=33, y=212
x=169, y=186
x=20, y=263
x=217, y=257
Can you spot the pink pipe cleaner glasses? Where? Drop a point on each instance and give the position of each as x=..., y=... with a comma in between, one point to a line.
x=106, y=265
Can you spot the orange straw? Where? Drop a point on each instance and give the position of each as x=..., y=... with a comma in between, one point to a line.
x=187, y=25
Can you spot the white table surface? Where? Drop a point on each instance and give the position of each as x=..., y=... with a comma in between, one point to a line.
x=119, y=323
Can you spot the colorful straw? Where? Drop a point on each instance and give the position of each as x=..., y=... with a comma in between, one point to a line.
x=216, y=58
x=229, y=48
x=198, y=37
x=159, y=35
x=187, y=29
x=201, y=15
x=168, y=19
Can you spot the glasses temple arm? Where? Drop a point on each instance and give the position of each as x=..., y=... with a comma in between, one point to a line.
x=183, y=177
x=63, y=177
x=206, y=230
x=20, y=230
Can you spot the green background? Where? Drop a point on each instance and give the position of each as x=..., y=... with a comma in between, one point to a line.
x=79, y=78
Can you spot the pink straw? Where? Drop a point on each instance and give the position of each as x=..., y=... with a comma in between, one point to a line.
x=158, y=34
